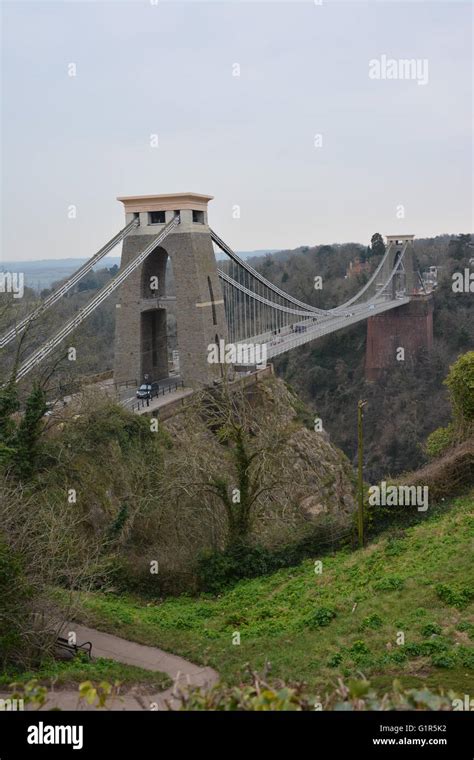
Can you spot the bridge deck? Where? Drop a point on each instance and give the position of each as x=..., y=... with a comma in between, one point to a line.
x=287, y=339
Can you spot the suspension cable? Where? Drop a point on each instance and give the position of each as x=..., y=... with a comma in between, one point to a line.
x=101, y=296
x=63, y=289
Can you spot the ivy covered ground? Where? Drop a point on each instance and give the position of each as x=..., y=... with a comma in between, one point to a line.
x=401, y=608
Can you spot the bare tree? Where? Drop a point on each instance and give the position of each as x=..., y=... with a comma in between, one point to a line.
x=246, y=470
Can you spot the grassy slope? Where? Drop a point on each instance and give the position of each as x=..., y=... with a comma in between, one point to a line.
x=392, y=583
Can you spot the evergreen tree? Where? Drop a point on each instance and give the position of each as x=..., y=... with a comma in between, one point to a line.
x=8, y=405
x=28, y=433
x=461, y=247
x=377, y=244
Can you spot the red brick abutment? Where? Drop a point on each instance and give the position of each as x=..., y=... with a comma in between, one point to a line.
x=409, y=327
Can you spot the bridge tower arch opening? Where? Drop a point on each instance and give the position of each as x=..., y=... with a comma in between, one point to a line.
x=156, y=274
x=174, y=299
x=404, y=280
x=158, y=315
x=399, y=284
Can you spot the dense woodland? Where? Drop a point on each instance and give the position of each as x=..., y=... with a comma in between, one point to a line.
x=407, y=403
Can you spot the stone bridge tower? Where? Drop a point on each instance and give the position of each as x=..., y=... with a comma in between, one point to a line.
x=405, y=280
x=141, y=342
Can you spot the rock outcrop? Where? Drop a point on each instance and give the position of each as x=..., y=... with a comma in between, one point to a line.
x=317, y=479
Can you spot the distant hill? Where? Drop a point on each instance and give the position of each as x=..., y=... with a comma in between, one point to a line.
x=259, y=252
x=42, y=273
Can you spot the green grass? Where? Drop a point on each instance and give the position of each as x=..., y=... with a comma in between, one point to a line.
x=64, y=673
x=316, y=628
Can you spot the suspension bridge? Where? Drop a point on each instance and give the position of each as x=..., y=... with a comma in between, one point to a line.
x=259, y=312
x=220, y=298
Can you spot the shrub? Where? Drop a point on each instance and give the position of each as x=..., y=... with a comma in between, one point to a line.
x=355, y=695
x=320, y=617
x=454, y=597
x=389, y=583
x=335, y=660
x=398, y=656
x=107, y=421
x=14, y=593
x=460, y=382
x=426, y=648
x=217, y=570
x=443, y=660
x=260, y=696
x=413, y=650
x=466, y=656
x=372, y=621
x=468, y=628
x=359, y=648
x=20, y=441
x=430, y=629
x=131, y=574
x=440, y=440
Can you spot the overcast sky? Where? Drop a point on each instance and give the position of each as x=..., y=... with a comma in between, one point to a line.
x=167, y=69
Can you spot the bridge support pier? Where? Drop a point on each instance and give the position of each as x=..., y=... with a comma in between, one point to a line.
x=409, y=327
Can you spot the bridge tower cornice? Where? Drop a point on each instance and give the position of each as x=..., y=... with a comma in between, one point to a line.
x=399, y=238
x=165, y=202
x=154, y=211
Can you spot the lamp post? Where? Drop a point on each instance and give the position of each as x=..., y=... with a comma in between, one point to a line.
x=360, y=477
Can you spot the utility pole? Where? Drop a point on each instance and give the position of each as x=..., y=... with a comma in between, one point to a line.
x=360, y=477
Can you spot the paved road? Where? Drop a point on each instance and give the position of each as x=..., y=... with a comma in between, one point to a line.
x=128, y=395
x=113, y=647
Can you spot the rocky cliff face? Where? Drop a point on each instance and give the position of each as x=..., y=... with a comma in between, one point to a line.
x=315, y=479
x=154, y=495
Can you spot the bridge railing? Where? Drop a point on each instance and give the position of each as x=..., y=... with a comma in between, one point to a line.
x=143, y=403
x=126, y=383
